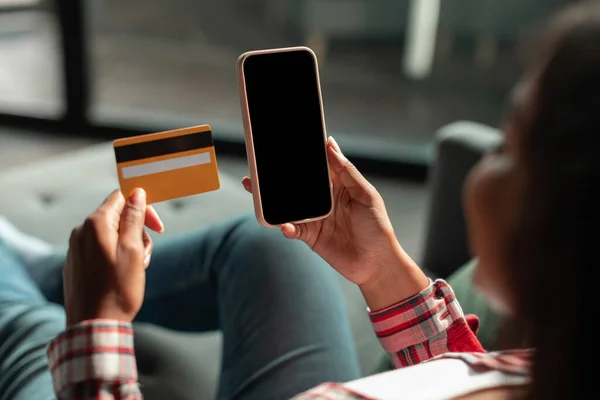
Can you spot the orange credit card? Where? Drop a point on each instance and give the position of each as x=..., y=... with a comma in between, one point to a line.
x=168, y=165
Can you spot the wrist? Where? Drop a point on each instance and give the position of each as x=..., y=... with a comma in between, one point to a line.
x=77, y=316
x=397, y=277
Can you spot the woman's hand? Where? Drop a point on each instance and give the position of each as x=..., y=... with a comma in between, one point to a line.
x=105, y=272
x=357, y=239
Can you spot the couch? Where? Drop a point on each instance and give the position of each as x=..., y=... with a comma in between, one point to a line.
x=49, y=197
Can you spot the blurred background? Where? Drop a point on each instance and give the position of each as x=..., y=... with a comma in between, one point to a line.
x=393, y=71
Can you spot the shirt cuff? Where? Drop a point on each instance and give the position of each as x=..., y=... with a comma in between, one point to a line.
x=418, y=319
x=96, y=350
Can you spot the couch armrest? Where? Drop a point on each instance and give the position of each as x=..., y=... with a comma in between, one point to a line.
x=458, y=147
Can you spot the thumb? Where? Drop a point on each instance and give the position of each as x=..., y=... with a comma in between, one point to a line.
x=358, y=187
x=131, y=225
x=299, y=232
x=294, y=231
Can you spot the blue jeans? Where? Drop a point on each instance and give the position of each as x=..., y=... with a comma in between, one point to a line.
x=277, y=304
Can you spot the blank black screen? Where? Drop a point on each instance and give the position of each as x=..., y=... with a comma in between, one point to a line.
x=287, y=130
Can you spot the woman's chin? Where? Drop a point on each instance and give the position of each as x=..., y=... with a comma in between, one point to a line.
x=490, y=291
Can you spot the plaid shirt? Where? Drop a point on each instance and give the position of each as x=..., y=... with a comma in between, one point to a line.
x=95, y=359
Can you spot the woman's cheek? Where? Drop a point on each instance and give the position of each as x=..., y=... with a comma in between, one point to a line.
x=478, y=207
x=488, y=218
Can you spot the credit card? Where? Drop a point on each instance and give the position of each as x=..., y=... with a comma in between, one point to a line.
x=168, y=165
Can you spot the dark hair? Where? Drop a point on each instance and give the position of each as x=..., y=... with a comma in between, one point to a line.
x=554, y=251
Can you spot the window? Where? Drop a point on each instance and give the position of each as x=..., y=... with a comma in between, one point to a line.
x=30, y=64
x=393, y=71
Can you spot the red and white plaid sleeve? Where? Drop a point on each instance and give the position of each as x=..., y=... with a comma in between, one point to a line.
x=94, y=360
x=424, y=326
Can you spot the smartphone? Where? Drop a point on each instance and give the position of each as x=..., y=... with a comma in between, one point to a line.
x=284, y=129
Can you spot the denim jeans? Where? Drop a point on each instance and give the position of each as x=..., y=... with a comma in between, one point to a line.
x=277, y=304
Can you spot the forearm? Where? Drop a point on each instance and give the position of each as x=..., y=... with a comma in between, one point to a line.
x=398, y=278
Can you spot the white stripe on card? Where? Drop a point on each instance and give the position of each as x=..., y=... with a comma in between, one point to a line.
x=165, y=165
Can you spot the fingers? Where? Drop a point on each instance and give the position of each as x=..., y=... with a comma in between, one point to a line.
x=148, y=247
x=110, y=210
x=114, y=202
x=104, y=222
x=74, y=243
x=331, y=141
x=295, y=231
x=153, y=221
x=358, y=187
x=131, y=225
x=289, y=231
x=247, y=183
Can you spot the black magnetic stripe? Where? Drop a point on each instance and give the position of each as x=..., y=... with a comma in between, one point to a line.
x=161, y=147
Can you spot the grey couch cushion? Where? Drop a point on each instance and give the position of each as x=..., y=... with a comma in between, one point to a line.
x=48, y=198
x=459, y=146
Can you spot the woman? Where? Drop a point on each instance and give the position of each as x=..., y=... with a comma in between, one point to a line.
x=531, y=213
